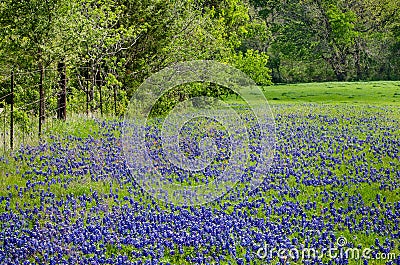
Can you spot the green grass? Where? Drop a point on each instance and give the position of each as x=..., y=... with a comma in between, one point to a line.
x=374, y=93
x=371, y=93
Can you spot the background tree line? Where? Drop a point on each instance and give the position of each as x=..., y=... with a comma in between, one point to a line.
x=323, y=40
x=115, y=44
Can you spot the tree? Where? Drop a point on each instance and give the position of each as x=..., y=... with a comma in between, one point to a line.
x=311, y=30
x=35, y=35
x=118, y=43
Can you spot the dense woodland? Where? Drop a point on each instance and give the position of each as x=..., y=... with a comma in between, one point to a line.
x=115, y=44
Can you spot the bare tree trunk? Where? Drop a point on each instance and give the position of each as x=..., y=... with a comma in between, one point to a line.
x=338, y=64
x=357, y=60
x=62, y=98
x=41, y=100
x=99, y=83
x=87, y=89
x=91, y=89
x=115, y=100
x=12, y=113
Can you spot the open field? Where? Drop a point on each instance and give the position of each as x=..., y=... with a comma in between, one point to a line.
x=374, y=93
x=334, y=183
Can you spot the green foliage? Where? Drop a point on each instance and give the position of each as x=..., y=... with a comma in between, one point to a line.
x=113, y=46
x=36, y=32
x=342, y=25
x=254, y=64
x=184, y=92
x=22, y=120
x=352, y=37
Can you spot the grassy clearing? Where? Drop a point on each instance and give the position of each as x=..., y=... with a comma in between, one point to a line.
x=371, y=93
x=374, y=93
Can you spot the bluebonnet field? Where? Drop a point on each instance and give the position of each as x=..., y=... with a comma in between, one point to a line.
x=336, y=173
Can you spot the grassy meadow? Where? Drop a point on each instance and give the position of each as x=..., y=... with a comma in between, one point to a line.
x=372, y=93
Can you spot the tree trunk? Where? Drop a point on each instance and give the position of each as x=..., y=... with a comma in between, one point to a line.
x=338, y=63
x=99, y=83
x=341, y=76
x=357, y=60
x=62, y=97
x=41, y=100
